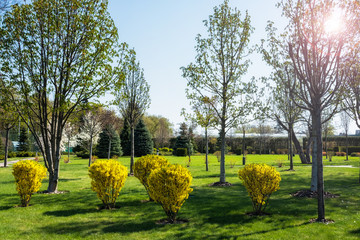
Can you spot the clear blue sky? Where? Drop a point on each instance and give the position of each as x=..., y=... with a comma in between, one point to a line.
x=163, y=32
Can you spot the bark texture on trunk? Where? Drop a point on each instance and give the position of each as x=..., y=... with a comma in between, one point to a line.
x=132, y=150
x=222, y=160
x=90, y=154
x=206, y=150
x=6, y=146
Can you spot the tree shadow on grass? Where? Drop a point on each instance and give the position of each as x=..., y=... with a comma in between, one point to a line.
x=84, y=229
x=356, y=232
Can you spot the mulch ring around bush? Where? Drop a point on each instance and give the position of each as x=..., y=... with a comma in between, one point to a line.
x=312, y=194
x=220, y=184
x=255, y=214
x=57, y=192
x=167, y=221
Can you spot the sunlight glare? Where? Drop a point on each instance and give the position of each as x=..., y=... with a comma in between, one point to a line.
x=334, y=23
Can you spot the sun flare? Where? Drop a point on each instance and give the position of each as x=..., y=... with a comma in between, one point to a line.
x=334, y=23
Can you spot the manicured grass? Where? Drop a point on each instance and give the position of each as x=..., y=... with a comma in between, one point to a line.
x=213, y=212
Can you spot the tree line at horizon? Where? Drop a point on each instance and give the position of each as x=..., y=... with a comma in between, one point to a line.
x=55, y=56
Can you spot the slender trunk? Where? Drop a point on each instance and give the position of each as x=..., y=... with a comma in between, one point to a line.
x=222, y=160
x=347, y=148
x=299, y=149
x=288, y=144
x=109, y=148
x=326, y=138
x=307, y=150
x=206, y=150
x=319, y=163
x=314, y=165
x=290, y=147
x=243, y=146
x=91, y=146
x=132, y=150
x=69, y=149
x=6, y=146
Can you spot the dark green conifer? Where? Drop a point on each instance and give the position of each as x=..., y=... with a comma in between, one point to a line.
x=143, y=143
x=125, y=137
x=23, y=144
x=108, y=139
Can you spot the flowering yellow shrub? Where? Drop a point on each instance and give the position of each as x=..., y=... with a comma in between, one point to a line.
x=170, y=186
x=107, y=179
x=28, y=176
x=144, y=165
x=260, y=180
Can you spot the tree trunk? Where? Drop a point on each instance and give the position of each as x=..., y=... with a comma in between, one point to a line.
x=347, y=148
x=69, y=149
x=54, y=176
x=6, y=146
x=222, y=160
x=206, y=150
x=290, y=148
x=91, y=146
x=132, y=151
x=243, y=146
x=109, y=149
x=317, y=154
x=299, y=149
x=314, y=164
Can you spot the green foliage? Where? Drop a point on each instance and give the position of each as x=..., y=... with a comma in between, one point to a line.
x=170, y=186
x=143, y=143
x=28, y=176
x=102, y=148
x=351, y=149
x=23, y=143
x=145, y=165
x=260, y=180
x=107, y=179
x=181, y=152
x=25, y=154
x=125, y=137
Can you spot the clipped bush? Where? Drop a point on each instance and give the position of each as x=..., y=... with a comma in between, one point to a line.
x=340, y=154
x=170, y=186
x=181, y=152
x=107, y=179
x=355, y=154
x=260, y=180
x=12, y=154
x=28, y=176
x=145, y=165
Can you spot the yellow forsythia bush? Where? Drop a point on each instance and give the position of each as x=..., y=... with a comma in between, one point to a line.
x=144, y=165
x=107, y=179
x=260, y=180
x=28, y=176
x=170, y=186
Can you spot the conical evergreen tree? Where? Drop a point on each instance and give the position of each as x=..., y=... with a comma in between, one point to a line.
x=102, y=148
x=182, y=140
x=143, y=143
x=125, y=137
x=23, y=145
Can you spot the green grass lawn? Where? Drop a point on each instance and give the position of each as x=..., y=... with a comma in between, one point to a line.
x=213, y=212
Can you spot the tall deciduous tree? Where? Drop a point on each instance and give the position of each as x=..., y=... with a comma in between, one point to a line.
x=8, y=119
x=283, y=110
x=57, y=54
x=316, y=57
x=125, y=137
x=132, y=96
x=218, y=69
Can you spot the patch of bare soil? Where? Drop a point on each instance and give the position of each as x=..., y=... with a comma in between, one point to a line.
x=326, y=221
x=167, y=221
x=57, y=192
x=312, y=194
x=220, y=184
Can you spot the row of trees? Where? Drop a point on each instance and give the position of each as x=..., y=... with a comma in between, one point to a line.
x=315, y=73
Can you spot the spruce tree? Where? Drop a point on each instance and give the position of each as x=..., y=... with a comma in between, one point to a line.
x=23, y=144
x=182, y=141
x=143, y=142
x=125, y=137
x=102, y=148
